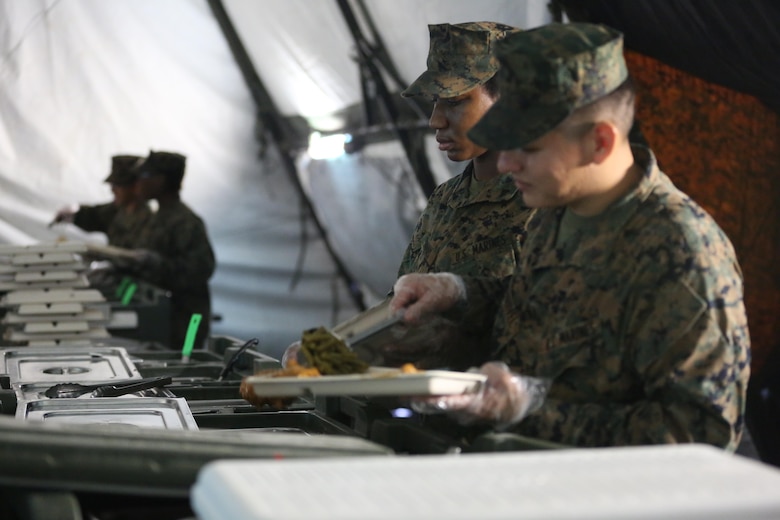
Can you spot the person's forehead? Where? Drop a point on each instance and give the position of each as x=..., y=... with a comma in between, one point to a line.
x=553, y=139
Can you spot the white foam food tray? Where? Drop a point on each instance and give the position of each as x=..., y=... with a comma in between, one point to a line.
x=378, y=381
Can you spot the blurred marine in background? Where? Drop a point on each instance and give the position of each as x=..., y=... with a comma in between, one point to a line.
x=122, y=219
x=174, y=251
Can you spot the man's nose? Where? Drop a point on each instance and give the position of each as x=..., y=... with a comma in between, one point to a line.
x=437, y=120
x=508, y=162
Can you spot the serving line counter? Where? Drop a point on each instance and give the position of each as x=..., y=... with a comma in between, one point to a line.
x=166, y=452
x=104, y=457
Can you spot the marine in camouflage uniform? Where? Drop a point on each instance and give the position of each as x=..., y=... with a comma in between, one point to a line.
x=636, y=314
x=183, y=259
x=122, y=219
x=631, y=307
x=474, y=223
x=468, y=227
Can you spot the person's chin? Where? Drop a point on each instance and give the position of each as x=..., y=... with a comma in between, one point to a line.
x=530, y=199
x=457, y=156
x=521, y=186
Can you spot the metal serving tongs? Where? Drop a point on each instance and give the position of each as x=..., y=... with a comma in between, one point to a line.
x=66, y=390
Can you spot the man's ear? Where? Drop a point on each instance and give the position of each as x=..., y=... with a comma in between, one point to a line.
x=604, y=135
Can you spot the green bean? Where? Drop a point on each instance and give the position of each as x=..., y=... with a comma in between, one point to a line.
x=329, y=354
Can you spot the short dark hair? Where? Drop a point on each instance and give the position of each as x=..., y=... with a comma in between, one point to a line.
x=618, y=106
x=491, y=87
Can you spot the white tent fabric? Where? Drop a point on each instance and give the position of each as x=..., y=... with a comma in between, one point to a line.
x=81, y=80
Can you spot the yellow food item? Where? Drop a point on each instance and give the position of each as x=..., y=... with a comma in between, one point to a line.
x=408, y=368
x=293, y=369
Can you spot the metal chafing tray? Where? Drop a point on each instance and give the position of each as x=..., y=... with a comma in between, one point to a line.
x=143, y=412
x=306, y=422
x=66, y=364
x=148, y=461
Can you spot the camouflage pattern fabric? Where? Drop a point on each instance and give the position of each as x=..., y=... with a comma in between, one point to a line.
x=473, y=235
x=545, y=74
x=179, y=236
x=476, y=236
x=460, y=58
x=122, y=227
x=638, y=319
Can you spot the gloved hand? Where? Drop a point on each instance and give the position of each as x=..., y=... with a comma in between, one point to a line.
x=291, y=354
x=66, y=214
x=418, y=295
x=146, y=259
x=505, y=398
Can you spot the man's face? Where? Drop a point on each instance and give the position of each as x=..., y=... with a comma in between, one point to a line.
x=551, y=171
x=452, y=118
x=124, y=194
x=150, y=185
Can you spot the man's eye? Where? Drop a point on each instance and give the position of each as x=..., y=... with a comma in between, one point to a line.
x=453, y=102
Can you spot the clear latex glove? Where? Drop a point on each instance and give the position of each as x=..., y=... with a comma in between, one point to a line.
x=146, y=257
x=291, y=353
x=139, y=260
x=504, y=399
x=418, y=295
x=66, y=214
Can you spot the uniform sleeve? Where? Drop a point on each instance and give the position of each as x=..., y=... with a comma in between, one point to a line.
x=483, y=295
x=95, y=218
x=188, y=261
x=409, y=261
x=692, y=354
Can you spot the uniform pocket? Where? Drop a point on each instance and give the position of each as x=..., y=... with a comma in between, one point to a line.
x=574, y=346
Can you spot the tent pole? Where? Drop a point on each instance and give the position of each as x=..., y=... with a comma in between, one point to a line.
x=414, y=148
x=274, y=123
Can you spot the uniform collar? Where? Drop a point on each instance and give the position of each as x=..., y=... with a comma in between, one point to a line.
x=612, y=219
x=498, y=189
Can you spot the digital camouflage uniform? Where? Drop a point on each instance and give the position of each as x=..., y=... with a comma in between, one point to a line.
x=638, y=319
x=475, y=236
x=187, y=262
x=468, y=227
x=120, y=225
x=637, y=314
x=184, y=260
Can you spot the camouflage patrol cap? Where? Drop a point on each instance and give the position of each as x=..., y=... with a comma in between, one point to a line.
x=460, y=58
x=124, y=169
x=169, y=164
x=546, y=74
